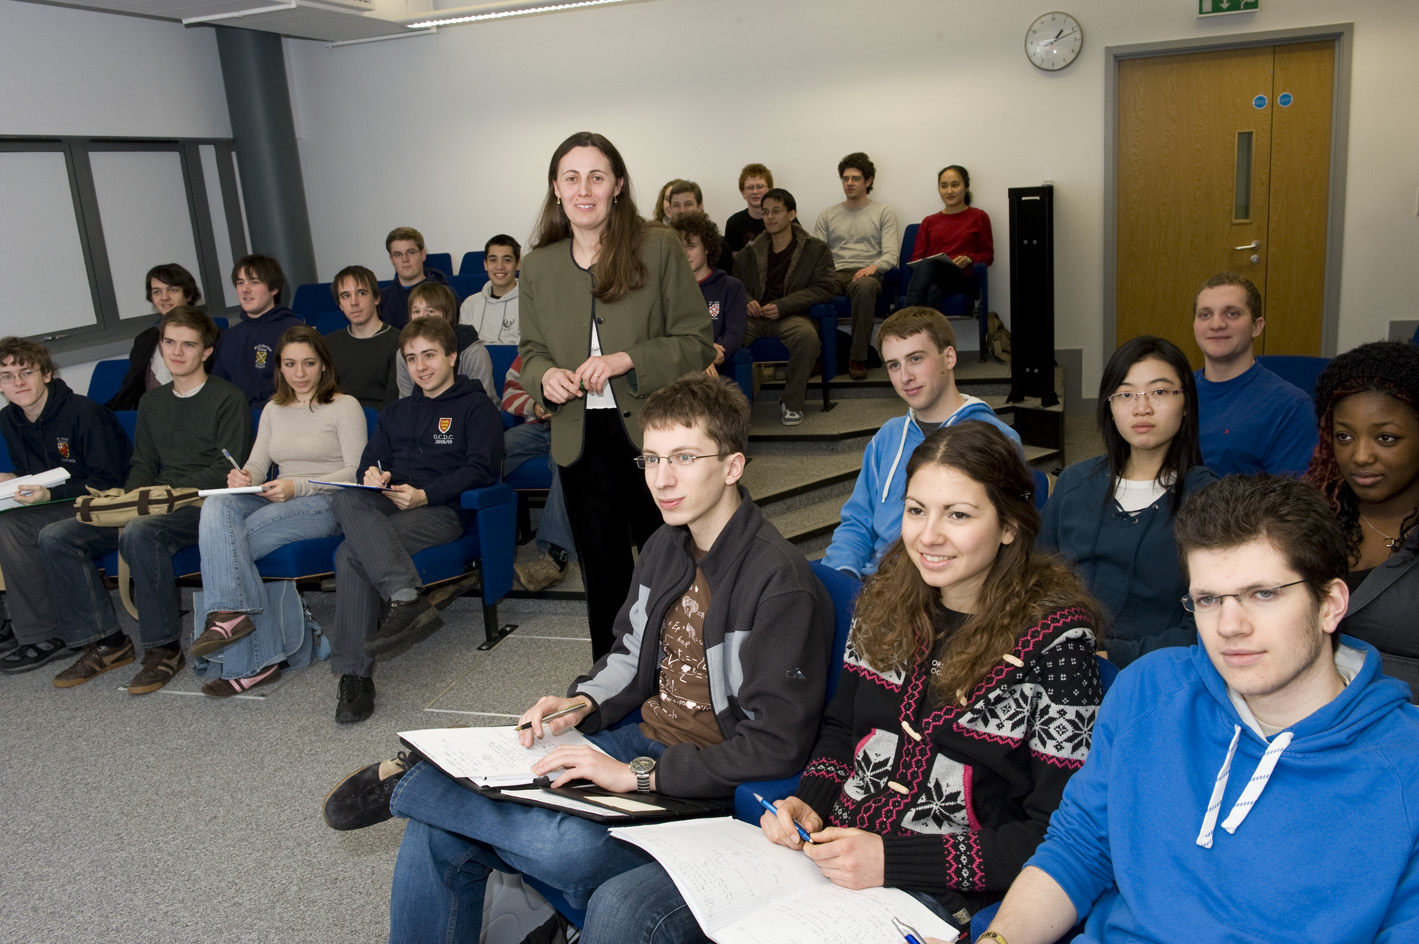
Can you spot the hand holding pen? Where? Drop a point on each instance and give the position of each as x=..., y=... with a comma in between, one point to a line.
x=789, y=822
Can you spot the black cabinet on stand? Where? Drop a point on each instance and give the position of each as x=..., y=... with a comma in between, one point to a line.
x=1032, y=294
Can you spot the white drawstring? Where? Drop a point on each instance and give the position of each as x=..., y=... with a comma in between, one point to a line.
x=1253, y=789
x=1209, y=822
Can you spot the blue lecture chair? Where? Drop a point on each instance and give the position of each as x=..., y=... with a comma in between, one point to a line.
x=772, y=349
x=468, y=285
x=1298, y=369
x=6, y=464
x=1041, y=488
x=311, y=299
x=328, y=322
x=107, y=378
x=472, y=263
x=443, y=261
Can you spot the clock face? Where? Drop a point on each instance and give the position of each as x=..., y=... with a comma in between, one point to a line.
x=1053, y=41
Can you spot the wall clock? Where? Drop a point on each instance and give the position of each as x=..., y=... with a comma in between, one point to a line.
x=1053, y=41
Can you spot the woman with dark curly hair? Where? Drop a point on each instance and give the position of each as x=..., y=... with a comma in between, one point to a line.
x=966, y=702
x=1367, y=466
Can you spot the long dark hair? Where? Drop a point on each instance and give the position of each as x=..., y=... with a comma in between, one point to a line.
x=325, y=388
x=619, y=268
x=894, y=629
x=1387, y=367
x=1184, y=452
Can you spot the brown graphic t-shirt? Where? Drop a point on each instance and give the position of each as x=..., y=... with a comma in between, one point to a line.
x=680, y=712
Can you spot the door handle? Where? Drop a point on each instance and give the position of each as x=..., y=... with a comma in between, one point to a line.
x=1254, y=244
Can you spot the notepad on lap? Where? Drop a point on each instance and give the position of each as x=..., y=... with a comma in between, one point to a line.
x=489, y=757
x=743, y=889
x=46, y=479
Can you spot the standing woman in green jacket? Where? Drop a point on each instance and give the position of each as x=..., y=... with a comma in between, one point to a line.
x=610, y=314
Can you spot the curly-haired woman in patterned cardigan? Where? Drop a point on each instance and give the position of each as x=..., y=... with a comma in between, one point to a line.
x=966, y=703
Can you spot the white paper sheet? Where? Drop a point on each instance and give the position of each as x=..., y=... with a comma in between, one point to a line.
x=548, y=798
x=490, y=757
x=48, y=479
x=238, y=490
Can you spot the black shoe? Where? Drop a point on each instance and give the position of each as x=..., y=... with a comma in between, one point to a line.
x=356, y=700
x=26, y=658
x=403, y=625
x=8, y=641
x=362, y=799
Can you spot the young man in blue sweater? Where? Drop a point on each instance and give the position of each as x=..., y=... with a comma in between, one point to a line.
x=428, y=449
x=246, y=352
x=1249, y=419
x=919, y=352
x=1258, y=786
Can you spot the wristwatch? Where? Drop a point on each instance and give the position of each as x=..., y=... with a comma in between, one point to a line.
x=641, y=767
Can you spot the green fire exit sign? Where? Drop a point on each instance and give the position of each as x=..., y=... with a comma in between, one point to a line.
x=1216, y=7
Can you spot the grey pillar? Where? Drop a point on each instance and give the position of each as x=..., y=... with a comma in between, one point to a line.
x=259, y=102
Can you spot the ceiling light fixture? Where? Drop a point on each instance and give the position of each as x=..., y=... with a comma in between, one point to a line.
x=504, y=14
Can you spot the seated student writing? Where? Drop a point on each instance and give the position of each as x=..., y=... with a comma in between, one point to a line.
x=1112, y=516
x=965, y=704
x=1367, y=466
x=428, y=449
x=310, y=430
x=166, y=287
x=722, y=644
x=183, y=427
x=436, y=300
x=46, y=426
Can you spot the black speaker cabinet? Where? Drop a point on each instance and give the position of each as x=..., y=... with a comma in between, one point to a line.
x=1032, y=294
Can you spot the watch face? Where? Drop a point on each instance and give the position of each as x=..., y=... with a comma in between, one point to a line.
x=1053, y=41
x=643, y=765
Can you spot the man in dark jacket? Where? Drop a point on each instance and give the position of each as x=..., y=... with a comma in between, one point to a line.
x=46, y=426
x=246, y=352
x=786, y=272
x=405, y=246
x=723, y=645
x=429, y=448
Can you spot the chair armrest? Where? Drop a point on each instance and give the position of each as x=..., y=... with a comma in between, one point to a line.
x=490, y=496
x=746, y=808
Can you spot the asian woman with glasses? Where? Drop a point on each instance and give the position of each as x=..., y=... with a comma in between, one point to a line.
x=1112, y=516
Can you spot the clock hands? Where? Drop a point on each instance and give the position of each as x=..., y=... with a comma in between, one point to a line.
x=1057, y=37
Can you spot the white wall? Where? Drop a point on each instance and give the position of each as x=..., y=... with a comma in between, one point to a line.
x=452, y=133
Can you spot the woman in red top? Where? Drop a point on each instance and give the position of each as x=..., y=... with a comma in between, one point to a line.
x=950, y=242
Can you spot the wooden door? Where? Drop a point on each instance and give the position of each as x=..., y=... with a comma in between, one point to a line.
x=1200, y=188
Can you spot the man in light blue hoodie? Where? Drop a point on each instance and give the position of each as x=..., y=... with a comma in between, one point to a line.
x=919, y=350
x=1260, y=786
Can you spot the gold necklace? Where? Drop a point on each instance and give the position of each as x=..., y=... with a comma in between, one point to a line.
x=1391, y=543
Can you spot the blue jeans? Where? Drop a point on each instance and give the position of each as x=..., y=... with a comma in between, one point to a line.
x=643, y=906
x=456, y=837
x=525, y=443
x=237, y=531
x=83, y=605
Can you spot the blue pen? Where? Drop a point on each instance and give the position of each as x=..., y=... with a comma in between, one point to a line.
x=774, y=810
x=906, y=931
x=231, y=460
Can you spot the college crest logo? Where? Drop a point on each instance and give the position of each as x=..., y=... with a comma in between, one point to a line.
x=261, y=353
x=63, y=446
x=714, y=310
x=444, y=423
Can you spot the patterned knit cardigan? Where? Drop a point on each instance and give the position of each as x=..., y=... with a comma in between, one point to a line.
x=961, y=794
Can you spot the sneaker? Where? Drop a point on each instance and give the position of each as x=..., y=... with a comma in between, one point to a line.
x=28, y=658
x=403, y=625
x=226, y=688
x=160, y=666
x=789, y=417
x=857, y=370
x=362, y=799
x=356, y=699
x=95, y=660
x=216, y=637
x=8, y=642
x=540, y=574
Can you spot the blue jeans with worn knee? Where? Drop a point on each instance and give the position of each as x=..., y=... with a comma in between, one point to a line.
x=239, y=530
x=456, y=837
x=525, y=443
x=643, y=906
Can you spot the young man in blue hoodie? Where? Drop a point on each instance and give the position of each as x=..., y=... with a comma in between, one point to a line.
x=428, y=449
x=46, y=426
x=725, y=297
x=246, y=352
x=1260, y=786
x=919, y=352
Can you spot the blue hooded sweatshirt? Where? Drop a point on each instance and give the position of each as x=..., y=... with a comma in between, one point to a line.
x=246, y=353
x=872, y=517
x=1185, y=823
x=1129, y=562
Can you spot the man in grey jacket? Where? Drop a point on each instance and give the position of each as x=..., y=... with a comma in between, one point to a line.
x=722, y=645
x=786, y=272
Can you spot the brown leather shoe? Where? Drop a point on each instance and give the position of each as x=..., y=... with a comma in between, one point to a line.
x=93, y=662
x=857, y=370
x=159, y=668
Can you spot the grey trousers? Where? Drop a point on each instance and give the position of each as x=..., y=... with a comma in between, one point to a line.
x=27, y=595
x=373, y=563
x=862, y=294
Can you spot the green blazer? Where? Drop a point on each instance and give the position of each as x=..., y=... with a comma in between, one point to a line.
x=664, y=327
